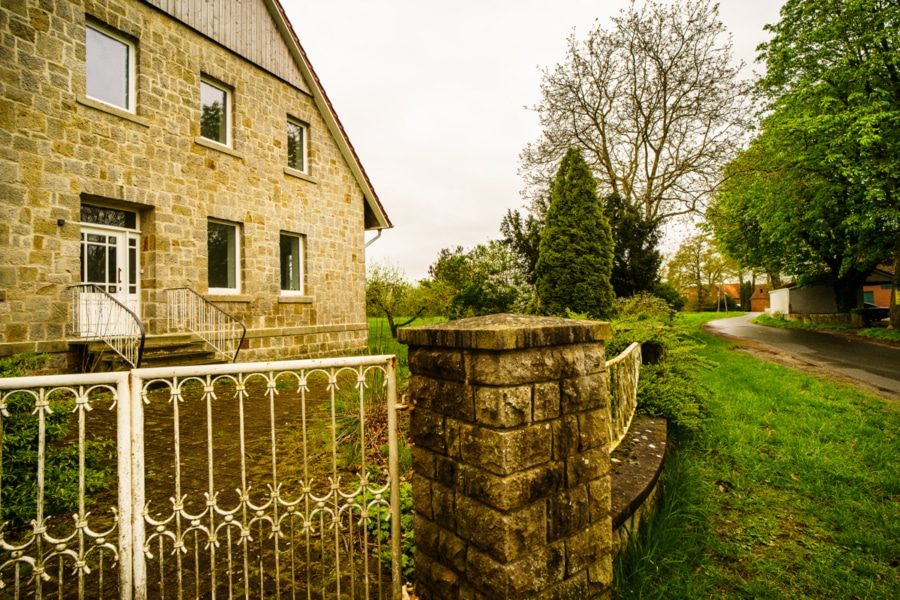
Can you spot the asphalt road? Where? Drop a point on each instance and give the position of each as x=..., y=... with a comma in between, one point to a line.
x=875, y=365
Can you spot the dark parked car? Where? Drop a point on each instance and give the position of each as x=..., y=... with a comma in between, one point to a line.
x=876, y=313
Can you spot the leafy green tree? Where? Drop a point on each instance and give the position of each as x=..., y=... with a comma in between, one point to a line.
x=698, y=265
x=576, y=251
x=482, y=281
x=390, y=295
x=832, y=87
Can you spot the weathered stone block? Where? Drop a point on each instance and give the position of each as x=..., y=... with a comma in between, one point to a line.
x=503, y=406
x=587, y=466
x=427, y=536
x=449, y=398
x=441, y=364
x=443, y=503
x=576, y=587
x=504, y=535
x=565, y=437
x=516, y=490
x=447, y=471
x=593, y=429
x=585, y=547
x=421, y=488
x=567, y=513
x=505, y=452
x=423, y=461
x=600, y=572
x=524, y=366
x=583, y=393
x=445, y=582
x=452, y=551
x=531, y=574
x=426, y=428
x=599, y=497
x=546, y=401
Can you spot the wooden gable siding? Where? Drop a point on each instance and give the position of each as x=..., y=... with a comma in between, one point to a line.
x=243, y=26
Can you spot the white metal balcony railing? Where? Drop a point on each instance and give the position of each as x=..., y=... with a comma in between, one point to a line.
x=623, y=373
x=189, y=311
x=264, y=480
x=98, y=315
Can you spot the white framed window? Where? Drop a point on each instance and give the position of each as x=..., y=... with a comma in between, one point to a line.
x=223, y=245
x=109, y=68
x=292, y=247
x=296, y=144
x=215, y=112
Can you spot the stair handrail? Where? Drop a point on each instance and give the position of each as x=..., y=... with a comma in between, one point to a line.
x=189, y=310
x=623, y=373
x=103, y=317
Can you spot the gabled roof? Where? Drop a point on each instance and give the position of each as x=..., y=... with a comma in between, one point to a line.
x=375, y=215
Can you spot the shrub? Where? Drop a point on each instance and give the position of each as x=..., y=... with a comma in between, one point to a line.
x=407, y=542
x=18, y=502
x=643, y=306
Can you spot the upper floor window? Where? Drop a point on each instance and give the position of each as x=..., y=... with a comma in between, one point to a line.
x=109, y=68
x=215, y=109
x=296, y=145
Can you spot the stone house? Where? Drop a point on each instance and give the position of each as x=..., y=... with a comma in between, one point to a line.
x=147, y=145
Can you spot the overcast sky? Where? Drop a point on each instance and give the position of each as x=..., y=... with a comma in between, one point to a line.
x=434, y=96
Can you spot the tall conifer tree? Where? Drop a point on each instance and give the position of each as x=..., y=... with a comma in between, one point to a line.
x=576, y=251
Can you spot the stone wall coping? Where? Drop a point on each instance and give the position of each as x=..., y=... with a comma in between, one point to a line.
x=505, y=332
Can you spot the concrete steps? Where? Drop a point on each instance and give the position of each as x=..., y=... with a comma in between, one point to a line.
x=172, y=350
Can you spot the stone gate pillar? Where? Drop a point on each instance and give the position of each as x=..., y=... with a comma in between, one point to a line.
x=510, y=458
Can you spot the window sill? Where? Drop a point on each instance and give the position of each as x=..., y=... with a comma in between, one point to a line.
x=112, y=110
x=202, y=141
x=299, y=175
x=223, y=298
x=296, y=299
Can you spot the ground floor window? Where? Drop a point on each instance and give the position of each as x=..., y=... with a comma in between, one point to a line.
x=223, y=248
x=291, y=246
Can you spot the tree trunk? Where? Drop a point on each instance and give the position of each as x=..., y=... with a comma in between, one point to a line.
x=895, y=291
x=846, y=291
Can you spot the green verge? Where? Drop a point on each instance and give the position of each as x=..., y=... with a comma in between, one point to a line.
x=789, y=491
x=881, y=334
x=785, y=324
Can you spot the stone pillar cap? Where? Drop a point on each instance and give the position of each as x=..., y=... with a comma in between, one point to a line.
x=505, y=332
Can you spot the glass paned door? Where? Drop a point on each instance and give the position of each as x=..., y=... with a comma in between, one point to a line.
x=109, y=260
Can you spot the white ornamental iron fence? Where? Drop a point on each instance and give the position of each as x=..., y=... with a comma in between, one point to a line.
x=275, y=480
x=98, y=315
x=189, y=311
x=623, y=373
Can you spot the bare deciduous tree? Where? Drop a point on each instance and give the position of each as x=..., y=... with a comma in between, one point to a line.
x=655, y=103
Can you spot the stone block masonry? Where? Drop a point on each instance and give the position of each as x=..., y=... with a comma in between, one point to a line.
x=511, y=459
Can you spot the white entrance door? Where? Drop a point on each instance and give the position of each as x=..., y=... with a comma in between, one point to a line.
x=110, y=261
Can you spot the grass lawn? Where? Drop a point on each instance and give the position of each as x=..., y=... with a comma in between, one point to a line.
x=791, y=491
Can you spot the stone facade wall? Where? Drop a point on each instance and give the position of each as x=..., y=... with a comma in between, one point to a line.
x=58, y=148
x=511, y=461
